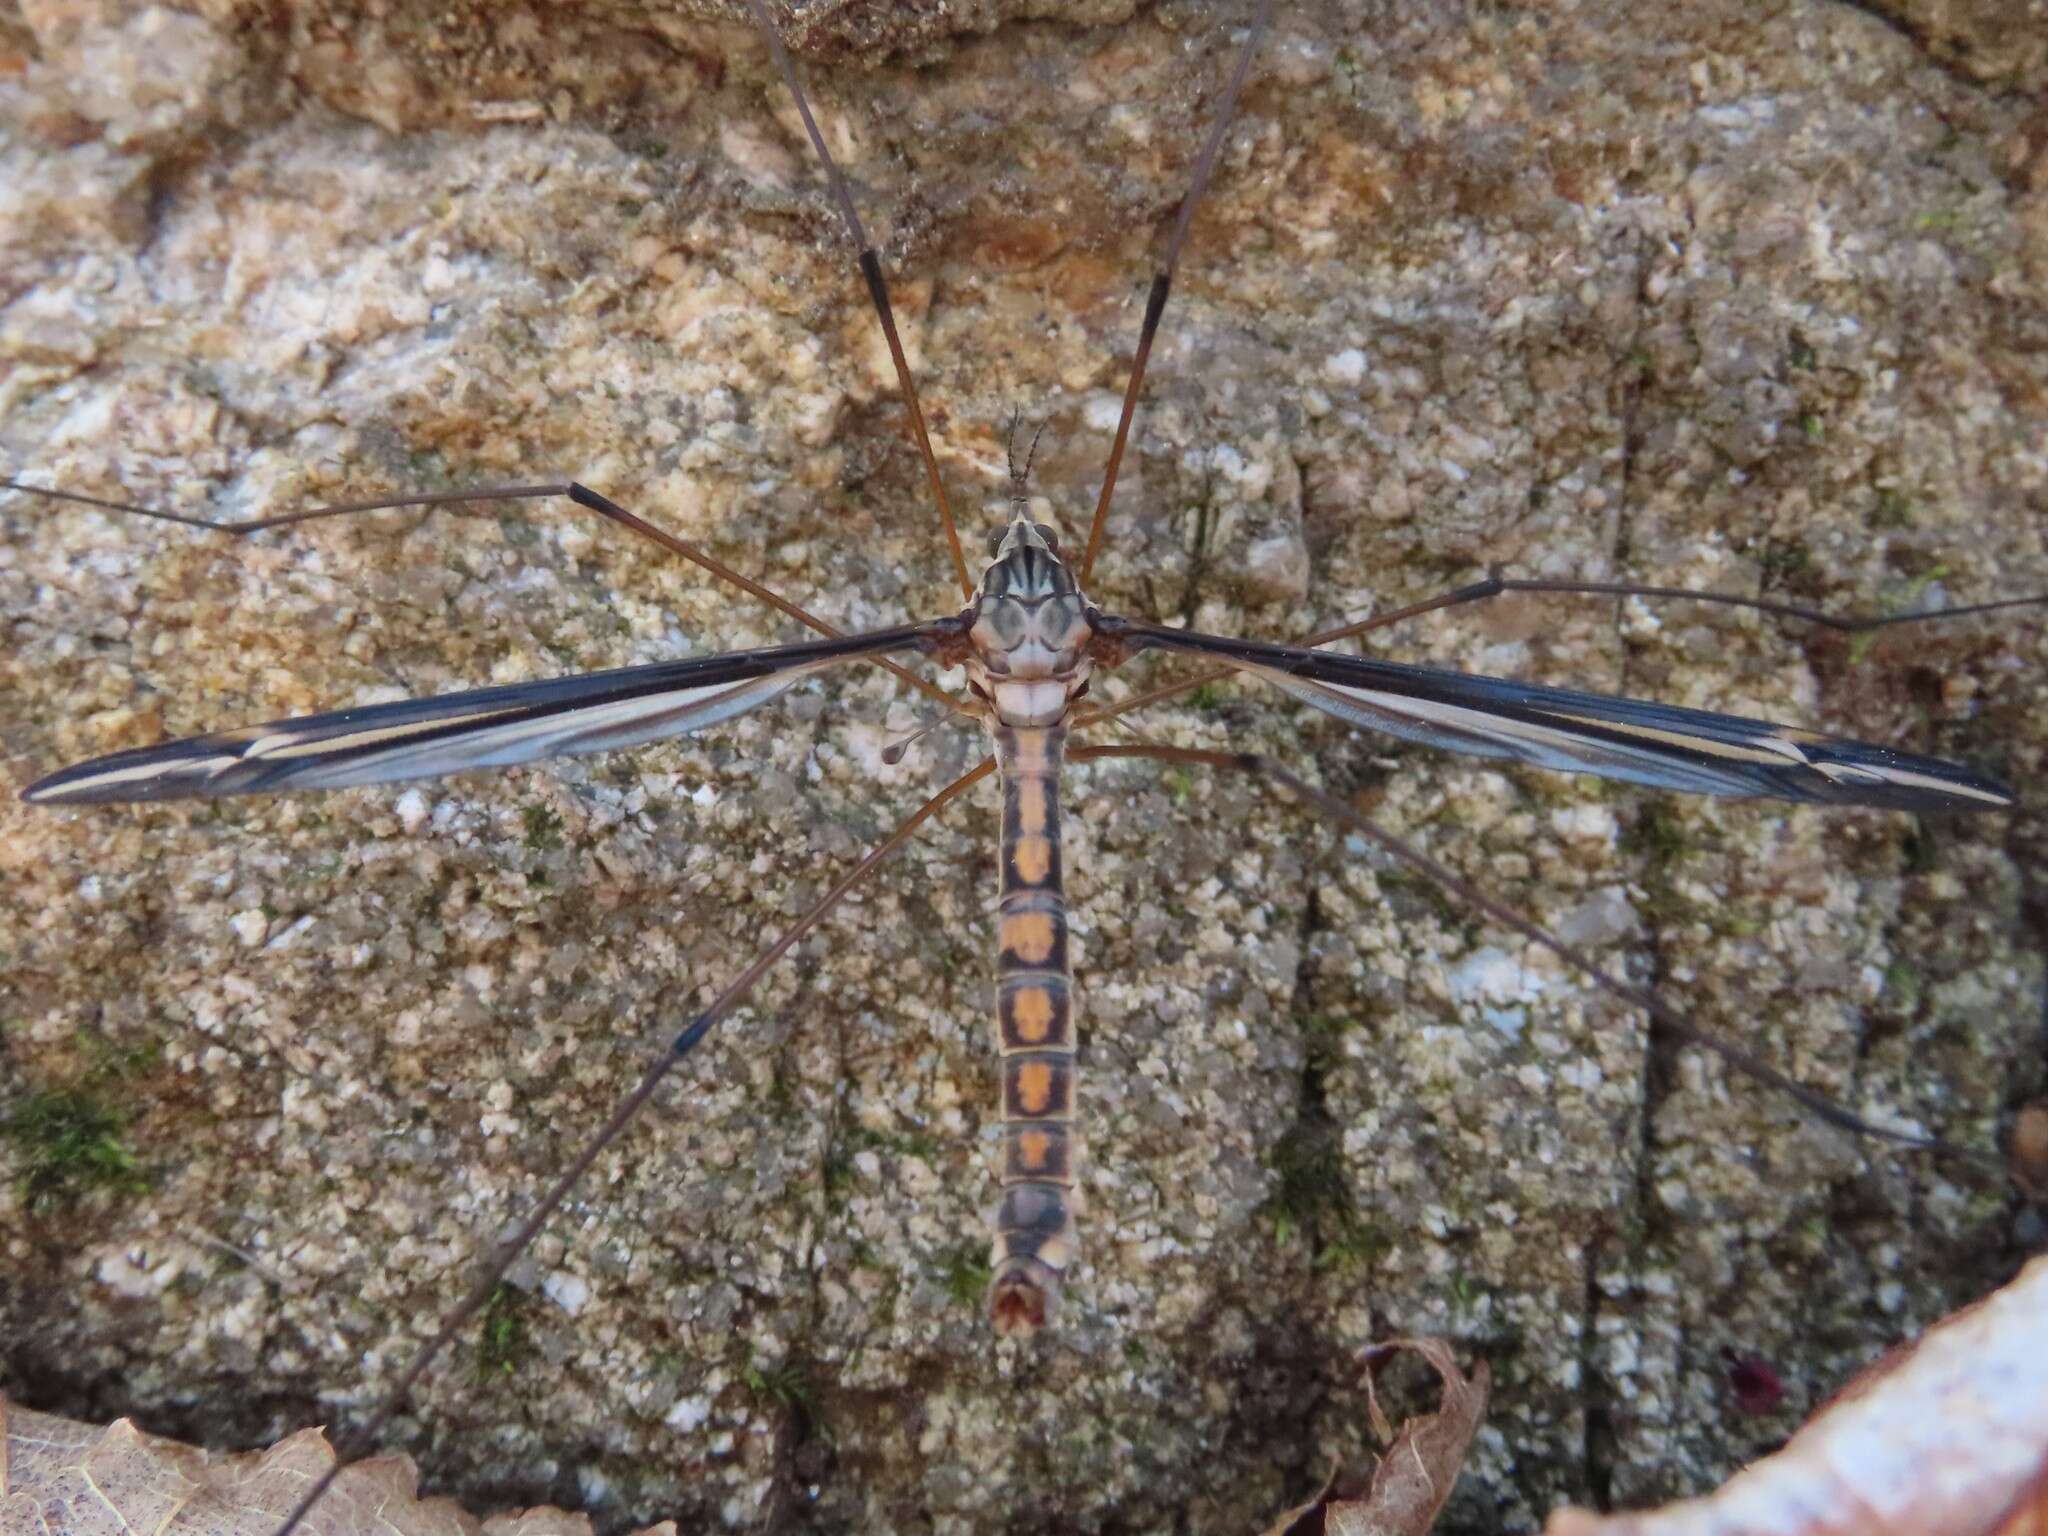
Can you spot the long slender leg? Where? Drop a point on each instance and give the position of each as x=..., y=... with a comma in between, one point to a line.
x=1662, y=1014
x=581, y=495
x=878, y=289
x=1162, y=280
x=1494, y=586
x=353, y=1446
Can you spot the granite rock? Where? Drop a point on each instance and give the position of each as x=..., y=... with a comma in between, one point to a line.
x=1748, y=297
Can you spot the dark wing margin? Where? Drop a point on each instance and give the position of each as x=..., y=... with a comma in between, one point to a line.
x=460, y=732
x=1573, y=732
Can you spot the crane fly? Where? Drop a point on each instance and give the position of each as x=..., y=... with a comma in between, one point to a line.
x=1036, y=649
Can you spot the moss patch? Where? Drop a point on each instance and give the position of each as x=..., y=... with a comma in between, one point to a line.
x=502, y=1342
x=72, y=1142
x=967, y=1274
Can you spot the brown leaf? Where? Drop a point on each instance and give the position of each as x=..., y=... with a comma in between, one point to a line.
x=1415, y=1476
x=1304, y=1519
x=2029, y=1514
x=60, y=1478
x=2030, y=1144
x=1944, y=1437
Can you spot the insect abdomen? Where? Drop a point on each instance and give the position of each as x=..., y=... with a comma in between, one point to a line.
x=1034, y=1239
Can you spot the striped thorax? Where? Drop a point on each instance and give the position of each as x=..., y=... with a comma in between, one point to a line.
x=1029, y=661
x=1029, y=637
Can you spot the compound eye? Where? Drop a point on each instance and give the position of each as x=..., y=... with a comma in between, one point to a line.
x=995, y=543
x=1050, y=535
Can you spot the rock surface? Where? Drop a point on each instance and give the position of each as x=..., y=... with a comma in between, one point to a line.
x=1736, y=296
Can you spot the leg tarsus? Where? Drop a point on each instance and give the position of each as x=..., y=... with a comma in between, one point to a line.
x=352, y=1446
x=1661, y=1014
x=878, y=295
x=870, y=263
x=1496, y=584
x=1162, y=279
x=686, y=1042
x=579, y=494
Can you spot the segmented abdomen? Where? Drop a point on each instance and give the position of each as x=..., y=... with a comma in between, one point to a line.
x=1035, y=1034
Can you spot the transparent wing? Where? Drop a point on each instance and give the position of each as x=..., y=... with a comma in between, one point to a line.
x=457, y=732
x=1574, y=732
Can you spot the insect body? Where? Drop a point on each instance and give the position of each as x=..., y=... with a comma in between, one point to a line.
x=1030, y=660
x=1029, y=640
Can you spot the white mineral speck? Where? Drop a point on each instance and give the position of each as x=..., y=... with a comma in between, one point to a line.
x=1130, y=124
x=412, y=810
x=1639, y=618
x=567, y=1291
x=1493, y=974
x=1228, y=463
x=1624, y=1358
x=1102, y=411
x=250, y=927
x=1583, y=1075
x=300, y=1106
x=1584, y=823
x=1277, y=568
x=1346, y=367
x=688, y=1413
x=137, y=1274
x=762, y=162
x=1604, y=915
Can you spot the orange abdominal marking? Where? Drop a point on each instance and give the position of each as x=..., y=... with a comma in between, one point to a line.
x=1031, y=807
x=1031, y=1009
x=1034, y=1033
x=1032, y=857
x=1028, y=936
x=1034, y=1087
x=1033, y=1147
x=1032, y=761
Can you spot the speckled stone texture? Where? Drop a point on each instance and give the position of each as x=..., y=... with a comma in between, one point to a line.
x=1749, y=296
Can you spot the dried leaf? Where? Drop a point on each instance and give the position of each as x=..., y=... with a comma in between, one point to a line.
x=60, y=1478
x=1755, y=1383
x=2030, y=1150
x=1944, y=1437
x=1304, y=1519
x=1418, y=1471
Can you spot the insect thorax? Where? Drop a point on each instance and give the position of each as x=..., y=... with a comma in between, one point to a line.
x=1030, y=630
